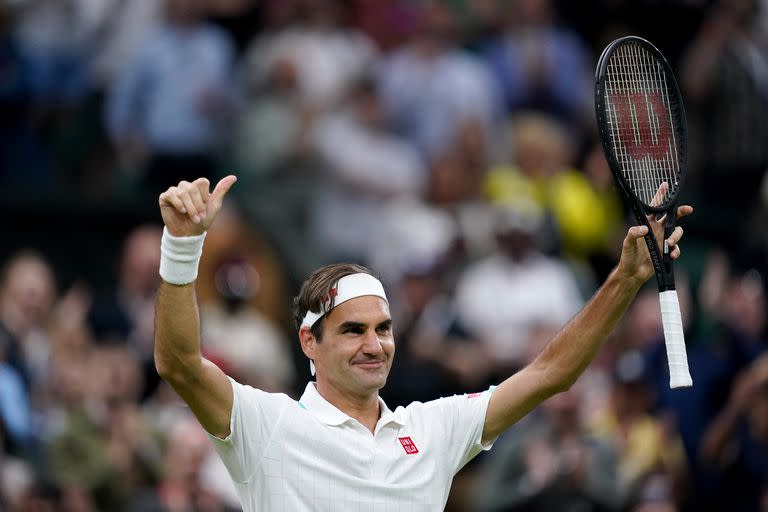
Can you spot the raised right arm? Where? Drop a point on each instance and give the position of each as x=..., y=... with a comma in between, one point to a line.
x=178, y=358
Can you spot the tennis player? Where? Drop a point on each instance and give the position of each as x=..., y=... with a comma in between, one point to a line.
x=340, y=447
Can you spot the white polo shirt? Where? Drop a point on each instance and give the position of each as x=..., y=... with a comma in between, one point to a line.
x=285, y=455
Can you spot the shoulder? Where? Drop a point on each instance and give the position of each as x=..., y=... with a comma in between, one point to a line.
x=443, y=405
x=248, y=395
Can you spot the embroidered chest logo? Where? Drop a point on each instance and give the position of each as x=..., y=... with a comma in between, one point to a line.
x=408, y=445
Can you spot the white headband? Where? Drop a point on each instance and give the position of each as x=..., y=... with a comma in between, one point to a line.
x=346, y=288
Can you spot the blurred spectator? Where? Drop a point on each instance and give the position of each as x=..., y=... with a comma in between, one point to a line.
x=328, y=58
x=367, y=169
x=541, y=66
x=98, y=445
x=584, y=206
x=433, y=89
x=715, y=354
x=182, y=486
x=125, y=314
x=271, y=131
x=248, y=341
x=173, y=101
x=736, y=442
x=528, y=290
x=27, y=294
x=53, y=37
x=22, y=160
x=550, y=462
x=725, y=82
x=120, y=29
x=647, y=446
x=15, y=413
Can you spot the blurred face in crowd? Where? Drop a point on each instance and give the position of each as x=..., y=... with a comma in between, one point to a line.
x=27, y=294
x=745, y=304
x=141, y=261
x=355, y=354
x=185, y=12
x=563, y=410
x=186, y=451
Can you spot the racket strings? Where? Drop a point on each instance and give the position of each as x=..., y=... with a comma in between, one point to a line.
x=642, y=117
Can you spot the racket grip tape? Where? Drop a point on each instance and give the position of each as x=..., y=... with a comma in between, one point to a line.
x=679, y=375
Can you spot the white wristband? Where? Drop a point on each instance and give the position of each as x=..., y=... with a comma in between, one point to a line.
x=179, y=257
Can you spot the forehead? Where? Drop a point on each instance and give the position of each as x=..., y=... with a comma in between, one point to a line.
x=366, y=309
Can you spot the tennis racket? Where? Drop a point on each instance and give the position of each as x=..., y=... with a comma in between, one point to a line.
x=642, y=127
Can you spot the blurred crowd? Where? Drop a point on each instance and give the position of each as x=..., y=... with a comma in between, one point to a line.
x=448, y=144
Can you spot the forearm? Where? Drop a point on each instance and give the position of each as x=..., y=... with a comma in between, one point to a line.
x=567, y=355
x=563, y=359
x=716, y=437
x=177, y=329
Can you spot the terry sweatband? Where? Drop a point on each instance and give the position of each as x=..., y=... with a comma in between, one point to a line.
x=179, y=257
x=346, y=288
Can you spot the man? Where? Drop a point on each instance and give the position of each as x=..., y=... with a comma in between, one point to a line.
x=340, y=447
x=173, y=98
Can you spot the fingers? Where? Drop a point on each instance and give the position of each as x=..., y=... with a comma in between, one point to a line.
x=171, y=197
x=684, y=210
x=661, y=193
x=222, y=187
x=191, y=205
x=188, y=198
x=203, y=186
x=672, y=242
x=636, y=232
x=195, y=200
x=675, y=237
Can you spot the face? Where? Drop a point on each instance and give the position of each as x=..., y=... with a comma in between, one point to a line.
x=355, y=354
x=29, y=291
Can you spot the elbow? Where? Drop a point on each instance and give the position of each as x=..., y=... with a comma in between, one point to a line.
x=172, y=368
x=554, y=380
x=165, y=370
x=565, y=384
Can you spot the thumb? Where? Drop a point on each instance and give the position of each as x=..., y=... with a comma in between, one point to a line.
x=221, y=189
x=636, y=232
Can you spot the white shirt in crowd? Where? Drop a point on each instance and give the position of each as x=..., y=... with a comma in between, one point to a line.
x=285, y=455
x=537, y=292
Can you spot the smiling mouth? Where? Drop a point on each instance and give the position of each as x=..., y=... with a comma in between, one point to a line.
x=370, y=365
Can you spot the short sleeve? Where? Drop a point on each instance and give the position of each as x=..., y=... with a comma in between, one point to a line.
x=462, y=417
x=255, y=416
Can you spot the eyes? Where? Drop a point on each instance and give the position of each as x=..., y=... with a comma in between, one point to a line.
x=383, y=329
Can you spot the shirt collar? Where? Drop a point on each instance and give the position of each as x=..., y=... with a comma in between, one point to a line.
x=327, y=413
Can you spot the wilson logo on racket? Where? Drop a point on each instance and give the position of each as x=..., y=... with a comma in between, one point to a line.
x=643, y=124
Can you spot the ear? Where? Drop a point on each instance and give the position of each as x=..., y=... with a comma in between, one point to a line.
x=308, y=342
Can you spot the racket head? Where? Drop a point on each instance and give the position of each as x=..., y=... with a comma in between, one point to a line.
x=641, y=122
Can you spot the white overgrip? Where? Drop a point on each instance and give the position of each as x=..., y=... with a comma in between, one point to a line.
x=679, y=375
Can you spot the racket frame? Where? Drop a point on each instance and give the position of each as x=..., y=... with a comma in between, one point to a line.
x=679, y=375
x=662, y=263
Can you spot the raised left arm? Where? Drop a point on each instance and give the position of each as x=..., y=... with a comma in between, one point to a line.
x=566, y=356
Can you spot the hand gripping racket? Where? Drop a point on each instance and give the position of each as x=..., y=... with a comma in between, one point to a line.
x=641, y=121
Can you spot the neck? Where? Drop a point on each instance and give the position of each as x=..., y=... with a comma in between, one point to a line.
x=363, y=408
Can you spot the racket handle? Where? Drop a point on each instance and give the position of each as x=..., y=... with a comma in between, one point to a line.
x=679, y=376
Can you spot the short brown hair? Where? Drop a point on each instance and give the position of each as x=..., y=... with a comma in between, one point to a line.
x=318, y=286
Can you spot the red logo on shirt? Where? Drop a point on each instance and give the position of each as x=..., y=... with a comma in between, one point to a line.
x=408, y=445
x=474, y=395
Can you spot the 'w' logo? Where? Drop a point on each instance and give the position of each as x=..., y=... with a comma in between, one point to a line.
x=643, y=124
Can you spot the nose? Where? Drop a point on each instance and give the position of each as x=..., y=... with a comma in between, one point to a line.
x=372, y=344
